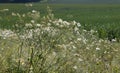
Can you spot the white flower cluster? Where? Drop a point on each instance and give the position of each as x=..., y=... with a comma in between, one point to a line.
x=59, y=42
x=7, y=34
x=4, y=10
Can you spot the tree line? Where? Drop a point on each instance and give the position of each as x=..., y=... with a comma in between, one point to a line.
x=18, y=1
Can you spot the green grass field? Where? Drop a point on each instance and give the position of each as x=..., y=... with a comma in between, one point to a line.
x=103, y=18
x=60, y=39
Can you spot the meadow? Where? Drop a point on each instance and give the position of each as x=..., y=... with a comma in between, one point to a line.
x=59, y=38
x=102, y=17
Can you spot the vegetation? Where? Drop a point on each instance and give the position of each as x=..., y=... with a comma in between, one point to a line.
x=18, y=1
x=103, y=18
x=33, y=40
x=86, y=1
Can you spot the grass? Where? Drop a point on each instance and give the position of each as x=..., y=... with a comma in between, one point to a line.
x=103, y=18
x=33, y=40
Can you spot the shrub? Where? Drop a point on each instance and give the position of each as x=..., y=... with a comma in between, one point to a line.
x=53, y=45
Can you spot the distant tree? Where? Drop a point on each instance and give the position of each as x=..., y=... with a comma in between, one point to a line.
x=18, y=1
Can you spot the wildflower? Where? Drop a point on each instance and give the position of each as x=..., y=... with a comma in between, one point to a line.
x=92, y=31
x=37, y=30
x=2, y=49
x=69, y=16
x=23, y=15
x=30, y=34
x=49, y=24
x=97, y=48
x=54, y=53
x=32, y=21
x=28, y=25
x=79, y=39
x=13, y=14
x=78, y=24
x=74, y=47
x=22, y=61
x=75, y=67
x=31, y=69
x=74, y=22
x=38, y=25
x=57, y=24
x=80, y=59
x=105, y=52
x=33, y=11
x=6, y=33
x=28, y=5
x=85, y=41
x=101, y=40
x=18, y=15
x=76, y=29
x=60, y=20
x=87, y=48
x=84, y=30
x=61, y=26
x=4, y=10
x=47, y=29
x=65, y=22
x=76, y=54
x=113, y=40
